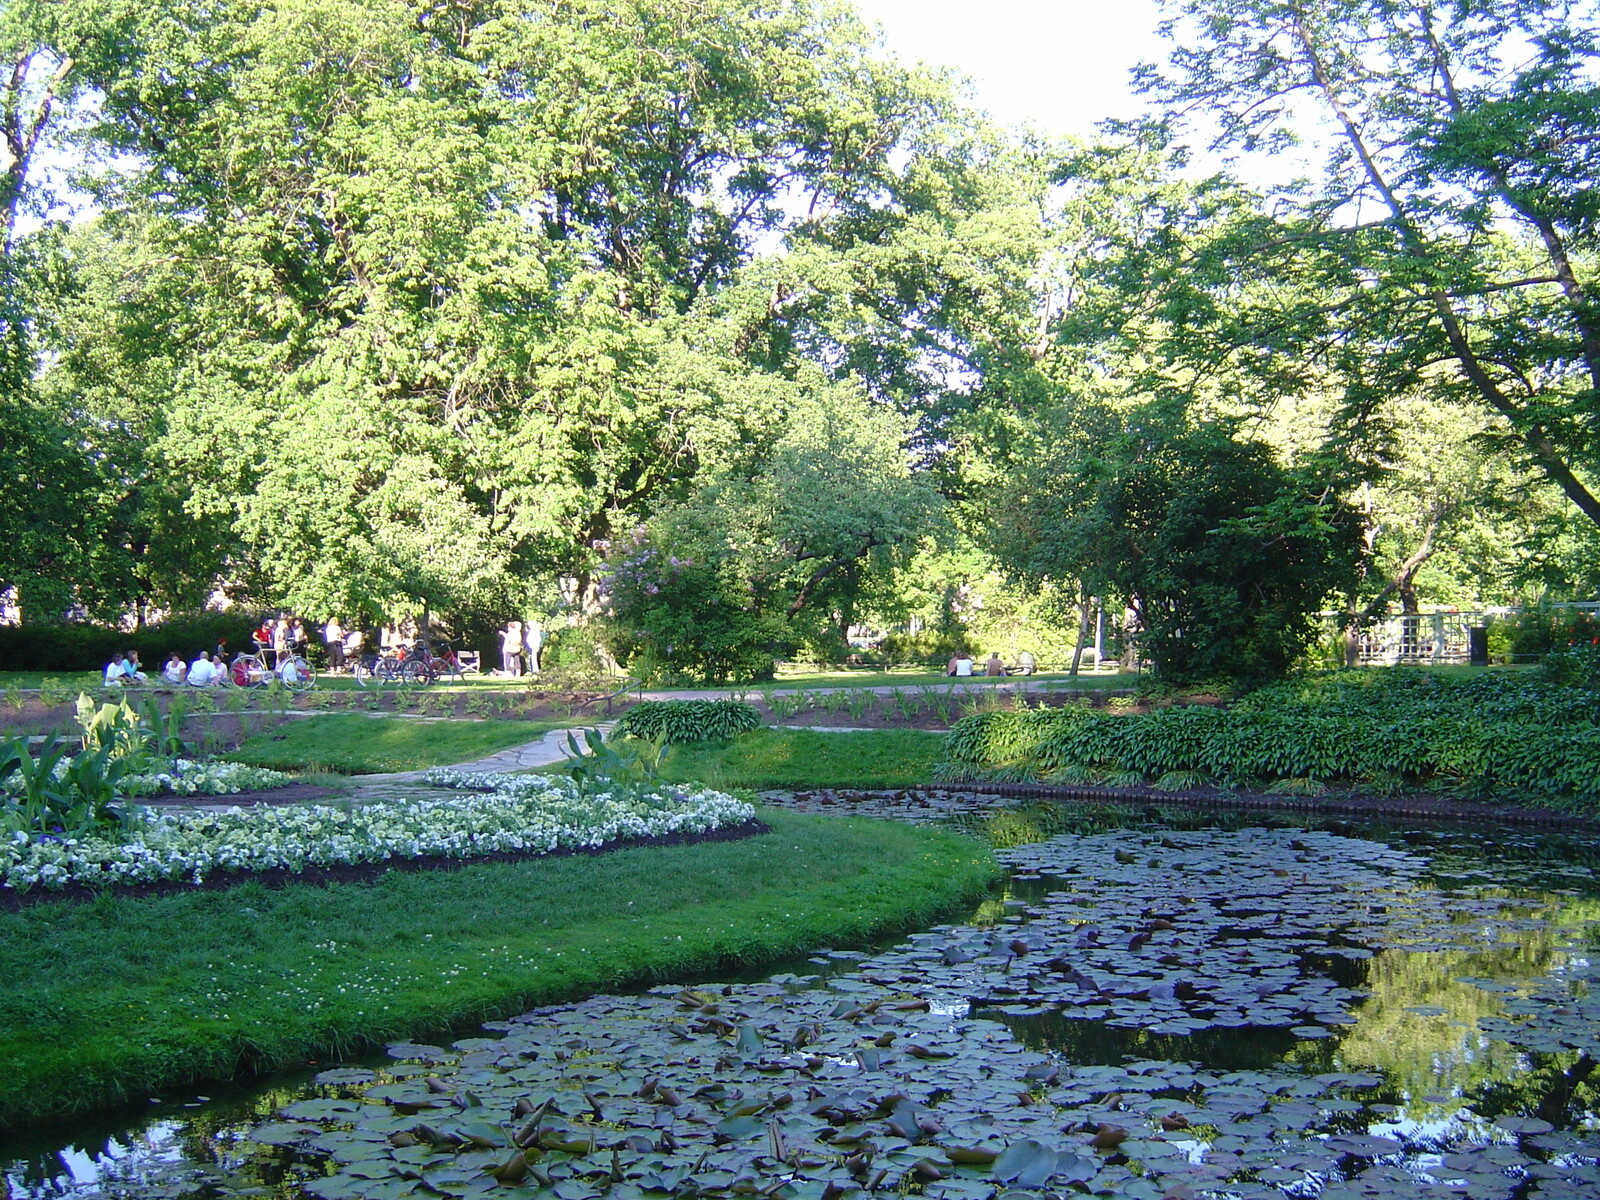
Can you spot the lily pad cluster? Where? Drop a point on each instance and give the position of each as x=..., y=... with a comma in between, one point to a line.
x=893, y=1079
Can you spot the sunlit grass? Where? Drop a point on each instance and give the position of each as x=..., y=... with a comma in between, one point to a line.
x=360, y=745
x=796, y=758
x=107, y=1001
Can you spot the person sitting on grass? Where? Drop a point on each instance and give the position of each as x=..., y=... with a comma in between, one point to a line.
x=130, y=669
x=203, y=672
x=174, y=671
x=994, y=666
x=113, y=671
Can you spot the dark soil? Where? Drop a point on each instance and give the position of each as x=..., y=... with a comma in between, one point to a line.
x=293, y=793
x=363, y=872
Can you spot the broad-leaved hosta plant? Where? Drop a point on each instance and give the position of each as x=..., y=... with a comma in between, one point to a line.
x=521, y=814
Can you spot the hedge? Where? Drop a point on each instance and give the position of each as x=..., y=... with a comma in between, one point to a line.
x=85, y=647
x=1523, y=737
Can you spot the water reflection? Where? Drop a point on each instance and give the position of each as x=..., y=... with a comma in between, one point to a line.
x=1431, y=1076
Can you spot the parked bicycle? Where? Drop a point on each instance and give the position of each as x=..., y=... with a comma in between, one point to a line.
x=251, y=670
x=422, y=665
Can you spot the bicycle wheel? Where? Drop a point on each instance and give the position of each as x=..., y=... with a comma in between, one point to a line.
x=249, y=670
x=304, y=676
x=363, y=669
x=418, y=673
x=387, y=671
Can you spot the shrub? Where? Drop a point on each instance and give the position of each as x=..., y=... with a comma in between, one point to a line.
x=86, y=647
x=1522, y=735
x=680, y=722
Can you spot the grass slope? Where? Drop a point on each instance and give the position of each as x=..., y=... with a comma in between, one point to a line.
x=109, y=1001
x=357, y=745
x=796, y=758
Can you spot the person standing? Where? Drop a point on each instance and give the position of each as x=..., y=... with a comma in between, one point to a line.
x=333, y=639
x=511, y=648
x=282, y=638
x=532, y=643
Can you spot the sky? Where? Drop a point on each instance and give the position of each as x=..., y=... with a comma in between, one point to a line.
x=1061, y=65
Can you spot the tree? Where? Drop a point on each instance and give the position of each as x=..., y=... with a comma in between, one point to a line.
x=1224, y=555
x=1451, y=240
x=775, y=549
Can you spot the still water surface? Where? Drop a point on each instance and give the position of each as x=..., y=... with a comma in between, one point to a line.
x=1255, y=1008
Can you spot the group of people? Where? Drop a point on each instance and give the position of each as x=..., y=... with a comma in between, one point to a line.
x=519, y=647
x=284, y=637
x=961, y=665
x=206, y=670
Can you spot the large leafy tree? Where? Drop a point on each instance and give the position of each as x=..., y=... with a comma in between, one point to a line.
x=1450, y=242
x=775, y=548
x=445, y=292
x=1224, y=555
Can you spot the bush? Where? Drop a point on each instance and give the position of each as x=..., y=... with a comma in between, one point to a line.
x=681, y=722
x=1519, y=735
x=1535, y=632
x=86, y=647
x=932, y=648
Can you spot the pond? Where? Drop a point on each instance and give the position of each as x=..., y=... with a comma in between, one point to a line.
x=1158, y=1005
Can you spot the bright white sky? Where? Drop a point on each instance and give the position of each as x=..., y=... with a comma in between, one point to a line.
x=1061, y=65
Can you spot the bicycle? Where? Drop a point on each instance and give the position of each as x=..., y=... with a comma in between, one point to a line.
x=251, y=670
x=422, y=666
x=376, y=670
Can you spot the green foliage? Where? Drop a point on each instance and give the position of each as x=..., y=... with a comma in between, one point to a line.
x=84, y=647
x=599, y=765
x=679, y=722
x=1517, y=737
x=59, y=794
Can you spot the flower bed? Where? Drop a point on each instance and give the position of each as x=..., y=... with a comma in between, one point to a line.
x=187, y=778
x=523, y=814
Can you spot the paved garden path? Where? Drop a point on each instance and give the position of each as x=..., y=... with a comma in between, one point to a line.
x=548, y=748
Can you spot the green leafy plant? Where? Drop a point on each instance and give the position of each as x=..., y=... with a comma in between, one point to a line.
x=680, y=722
x=626, y=770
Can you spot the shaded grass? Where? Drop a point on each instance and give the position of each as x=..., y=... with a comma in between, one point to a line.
x=793, y=758
x=110, y=1000
x=357, y=745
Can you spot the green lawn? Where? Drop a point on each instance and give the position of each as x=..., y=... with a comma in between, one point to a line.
x=358, y=745
x=202, y=986
x=797, y=758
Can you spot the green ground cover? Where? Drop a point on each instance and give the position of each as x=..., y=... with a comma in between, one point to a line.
x=793, y=758
x=206, y=985
x=1518, y=737
x=361, y=745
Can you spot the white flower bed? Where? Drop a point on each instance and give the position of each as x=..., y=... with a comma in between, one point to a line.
x=188, y=778
x=183, y=778
x=526, y=814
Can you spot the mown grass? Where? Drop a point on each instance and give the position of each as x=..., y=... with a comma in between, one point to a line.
x=108, y=1001
x=358, y=745
x=797, y=758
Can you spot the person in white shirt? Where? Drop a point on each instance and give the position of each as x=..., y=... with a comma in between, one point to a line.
x=203, y=672
x=114, y=672
x=333, y=638
x=174, y=670
x=963, y=665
